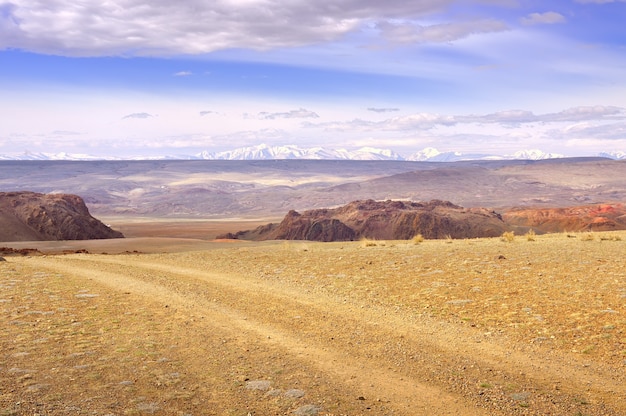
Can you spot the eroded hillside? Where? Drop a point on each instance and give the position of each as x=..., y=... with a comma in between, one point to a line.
x=31, y=216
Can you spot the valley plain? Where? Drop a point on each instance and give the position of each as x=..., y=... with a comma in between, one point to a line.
x=198, y=189
x=169, y=321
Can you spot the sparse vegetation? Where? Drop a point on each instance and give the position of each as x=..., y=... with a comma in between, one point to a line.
x=126, y=311
x=366, y=242
x=530, y=235
x=418, y=238
x=588, y=237
x=508, y=236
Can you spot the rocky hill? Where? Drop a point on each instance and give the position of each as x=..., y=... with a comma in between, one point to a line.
x=596, y=217
x=399, y=220
x=30, y=216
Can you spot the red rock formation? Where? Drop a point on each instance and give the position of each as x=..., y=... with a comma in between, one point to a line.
x=382, y=220
x=602, y=217
x=30, y=216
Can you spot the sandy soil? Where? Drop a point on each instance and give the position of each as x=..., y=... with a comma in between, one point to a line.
x=200, y=229
x=472, y=327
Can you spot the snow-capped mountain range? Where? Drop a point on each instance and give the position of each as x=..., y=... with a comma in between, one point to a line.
x=265, y=152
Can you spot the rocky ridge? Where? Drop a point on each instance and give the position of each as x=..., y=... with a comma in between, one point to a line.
x=30, y=216
x=402, y=220
x=596, y=217
x=397, y=220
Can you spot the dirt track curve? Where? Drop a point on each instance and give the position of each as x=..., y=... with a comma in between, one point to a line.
x=224, y=332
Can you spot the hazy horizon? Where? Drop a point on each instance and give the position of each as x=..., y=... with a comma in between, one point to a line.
x=474, y=76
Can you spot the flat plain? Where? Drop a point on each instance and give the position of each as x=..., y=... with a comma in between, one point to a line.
x=441, y=327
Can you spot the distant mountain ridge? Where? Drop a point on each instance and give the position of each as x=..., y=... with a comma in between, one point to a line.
x=266, y=152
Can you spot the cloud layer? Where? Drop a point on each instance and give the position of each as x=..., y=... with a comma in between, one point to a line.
x=426, y=121
x=162, y=27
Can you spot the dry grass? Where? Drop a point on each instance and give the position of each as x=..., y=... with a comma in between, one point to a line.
x=496, y=326
x=417, y=239
x=508, y=236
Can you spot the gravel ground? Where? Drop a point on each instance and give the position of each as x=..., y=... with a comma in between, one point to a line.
x=472, y=327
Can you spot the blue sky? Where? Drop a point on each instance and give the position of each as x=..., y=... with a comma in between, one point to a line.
x=134, y=78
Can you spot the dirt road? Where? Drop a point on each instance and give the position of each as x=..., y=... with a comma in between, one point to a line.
x=262, y=331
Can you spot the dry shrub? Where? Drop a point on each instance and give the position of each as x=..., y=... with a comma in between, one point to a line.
x=508, y=236
x=417, y=239
x=588, y=237
x=610, y=238
x=366, y=242
x=530, y=235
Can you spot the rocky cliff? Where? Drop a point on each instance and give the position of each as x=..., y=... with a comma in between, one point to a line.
x=387, y=220
x=597, y=217
x=30, y=216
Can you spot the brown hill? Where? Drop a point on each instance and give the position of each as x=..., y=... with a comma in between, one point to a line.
x=30, y=216
x=597, y=217
x=397, y=220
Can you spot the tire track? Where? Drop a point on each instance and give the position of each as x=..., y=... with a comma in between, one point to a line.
x=407, y=395
x=370, y=354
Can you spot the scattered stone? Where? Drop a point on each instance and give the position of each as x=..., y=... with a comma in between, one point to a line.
x=307, y=410
x=148, y=407
x=262, y=385
x=294, y=393
x=608, y=311
x=459, y=301
x=37, y=387
x=520, y=396
x=274, y=393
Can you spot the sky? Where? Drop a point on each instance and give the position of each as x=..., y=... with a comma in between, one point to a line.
x=130, y=78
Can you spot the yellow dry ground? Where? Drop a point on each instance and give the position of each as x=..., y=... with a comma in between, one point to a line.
x=456, y=327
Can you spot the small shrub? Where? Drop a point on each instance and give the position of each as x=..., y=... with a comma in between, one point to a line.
x=417, y=239
x=588, y=237
x=610, y=238
x=530, y=235
x=366, y=242
x=508, y=236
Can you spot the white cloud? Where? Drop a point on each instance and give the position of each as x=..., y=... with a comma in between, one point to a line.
x=426, y=121
x=183, y=74
x=164, y=28
x=65, y=133
x=300, y=113
x=138, y=115
x=382, y=110
x=543, y=18
x=411, y=32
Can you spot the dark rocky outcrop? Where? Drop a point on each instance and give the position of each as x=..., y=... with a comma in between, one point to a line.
x=389, y=220
x=30, y=216
x=596, y=217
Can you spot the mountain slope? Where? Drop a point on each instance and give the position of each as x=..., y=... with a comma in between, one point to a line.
x=30, y=216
